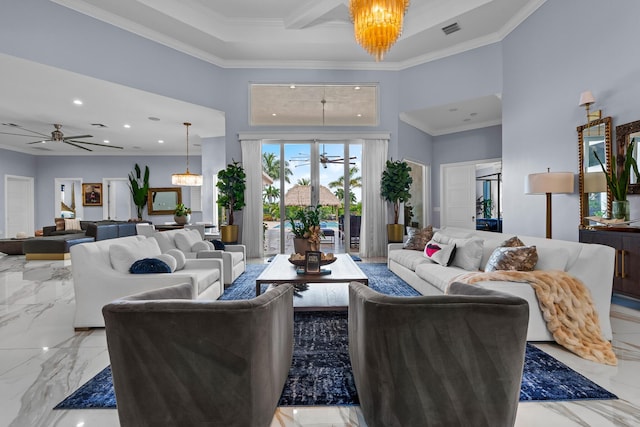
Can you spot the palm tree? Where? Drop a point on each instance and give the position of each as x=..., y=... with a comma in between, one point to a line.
x=271, y=166
x=354, y=182
x=304, y=181
x=270, y=193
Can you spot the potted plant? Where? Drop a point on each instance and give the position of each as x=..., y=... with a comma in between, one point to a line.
x=139, y=186
x=182, y=214
x=618, y=182
x=305, y=226
x=231, y=185
x=395, y=185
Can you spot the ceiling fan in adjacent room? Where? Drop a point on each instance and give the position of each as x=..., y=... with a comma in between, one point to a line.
x=57, y=136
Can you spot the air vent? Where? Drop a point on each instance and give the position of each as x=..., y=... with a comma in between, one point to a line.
x=98, y=125
x=449, y=29
x=11, y=124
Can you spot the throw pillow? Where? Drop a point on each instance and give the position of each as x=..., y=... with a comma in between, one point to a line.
x=202, y=245
x=512, y=242
x=72, y=224
x=519, y=258
x=169, y=260
x=179, y=256
x=439, y=252
x=59, y=224
x=149, y=265
x=185, y=239
x=468, y=253
x=218, y=245
x=418, y=238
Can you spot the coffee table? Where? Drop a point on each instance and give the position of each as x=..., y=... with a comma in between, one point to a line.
x=280, y=270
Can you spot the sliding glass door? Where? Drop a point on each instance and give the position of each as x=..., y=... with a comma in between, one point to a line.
x=309, y=173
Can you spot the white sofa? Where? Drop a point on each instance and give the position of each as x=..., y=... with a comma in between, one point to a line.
x=98, y=279
x=592, y=264
x=190, y=242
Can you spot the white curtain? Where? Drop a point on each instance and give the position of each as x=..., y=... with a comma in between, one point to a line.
x=252, y=213
x=373, y=232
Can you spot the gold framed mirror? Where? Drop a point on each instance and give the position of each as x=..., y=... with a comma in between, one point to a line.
x=163, y=201
x=595, y=197
x=624, y=135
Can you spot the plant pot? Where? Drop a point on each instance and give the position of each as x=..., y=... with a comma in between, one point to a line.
x=620, y=210
x=182, y=220
x=301, y=245
x=229, y=233
x=395, y=233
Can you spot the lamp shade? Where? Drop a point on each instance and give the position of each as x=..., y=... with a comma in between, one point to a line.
x=595, y=182
x=586, y=98
x=549, y=182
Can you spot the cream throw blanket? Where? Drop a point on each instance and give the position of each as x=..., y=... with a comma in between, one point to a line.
x=566, y=307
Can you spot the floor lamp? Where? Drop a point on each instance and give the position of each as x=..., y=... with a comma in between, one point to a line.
x=549, y=183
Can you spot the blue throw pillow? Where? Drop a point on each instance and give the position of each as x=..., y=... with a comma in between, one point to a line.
x=149, y=265
x=218, y=245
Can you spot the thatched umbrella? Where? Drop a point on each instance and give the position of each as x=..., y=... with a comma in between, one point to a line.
x=300, y=195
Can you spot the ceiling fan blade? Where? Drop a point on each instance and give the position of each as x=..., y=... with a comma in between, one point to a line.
x=303, y=164
x=76, y=145
x=78, y=136
x=19, y=134
x=93, y=143
x=28, y=130
x=39, y=142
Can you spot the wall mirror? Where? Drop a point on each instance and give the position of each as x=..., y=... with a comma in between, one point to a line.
x=595, y=197
x=624, y=135
x=416, y=211
x=163, y=201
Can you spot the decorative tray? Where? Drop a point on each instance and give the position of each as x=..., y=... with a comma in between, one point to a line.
x=301, y=262
x=322, y=272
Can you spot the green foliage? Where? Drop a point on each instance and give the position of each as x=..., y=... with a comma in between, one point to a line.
x=395, y=185
x=139, y=186
x=486, y=205
x=301, y=219
x=182, y=210
x=232, y=184
x=619, y=183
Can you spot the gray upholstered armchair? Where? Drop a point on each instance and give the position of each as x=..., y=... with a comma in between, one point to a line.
x=449, y=360
x=183, y=362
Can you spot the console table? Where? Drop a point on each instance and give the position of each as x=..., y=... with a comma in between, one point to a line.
x=626, y=277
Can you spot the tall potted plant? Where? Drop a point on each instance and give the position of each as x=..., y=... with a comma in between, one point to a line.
x=139, y=186
x=395, y=185
x=231, y=185
x=618, y=183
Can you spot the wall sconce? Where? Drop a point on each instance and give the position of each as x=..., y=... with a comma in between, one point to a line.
x=548, y=183
x=586, y=99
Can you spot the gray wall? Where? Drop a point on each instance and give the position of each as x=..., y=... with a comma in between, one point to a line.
x=563, y=49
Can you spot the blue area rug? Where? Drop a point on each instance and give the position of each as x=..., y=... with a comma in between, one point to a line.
x=321, y=371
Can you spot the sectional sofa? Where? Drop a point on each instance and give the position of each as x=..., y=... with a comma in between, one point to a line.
x=592, y=264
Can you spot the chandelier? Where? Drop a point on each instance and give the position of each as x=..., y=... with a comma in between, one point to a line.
x=377, y=24
x=187, y=178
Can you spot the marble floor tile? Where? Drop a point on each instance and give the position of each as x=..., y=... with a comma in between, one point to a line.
x=43, y=360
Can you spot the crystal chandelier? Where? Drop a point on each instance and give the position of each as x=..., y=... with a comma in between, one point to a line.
x=187, y=178
x=377, y=24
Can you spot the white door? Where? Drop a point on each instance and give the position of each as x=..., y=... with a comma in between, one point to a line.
x=458, y=195
x=19, y=205
x=117, y=203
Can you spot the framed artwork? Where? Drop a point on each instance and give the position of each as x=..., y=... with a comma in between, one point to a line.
x=92, y=194
x=312, y=261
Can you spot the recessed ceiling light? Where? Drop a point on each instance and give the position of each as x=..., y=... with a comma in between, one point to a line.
x=356, y=88
x=77, y=101
x=273, y=114
x=154, y=119
x=127, y=126
x=45, y=348
x=359, y=115
x=292, y=87
x=161, y=141
x=106, y=141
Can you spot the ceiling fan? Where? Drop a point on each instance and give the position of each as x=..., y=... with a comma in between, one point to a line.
x=57, y=136
x=324, y=159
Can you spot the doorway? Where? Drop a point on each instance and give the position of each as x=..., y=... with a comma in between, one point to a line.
x=298, y=174
x=117, y=203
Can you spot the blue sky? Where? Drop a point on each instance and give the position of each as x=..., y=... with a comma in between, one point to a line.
x=298, y=153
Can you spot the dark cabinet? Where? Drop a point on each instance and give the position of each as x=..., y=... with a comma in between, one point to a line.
x=626, y=276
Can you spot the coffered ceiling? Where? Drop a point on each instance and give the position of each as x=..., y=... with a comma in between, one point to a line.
x=314, y=34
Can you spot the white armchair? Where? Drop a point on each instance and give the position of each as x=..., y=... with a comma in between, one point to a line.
x=233, y=260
